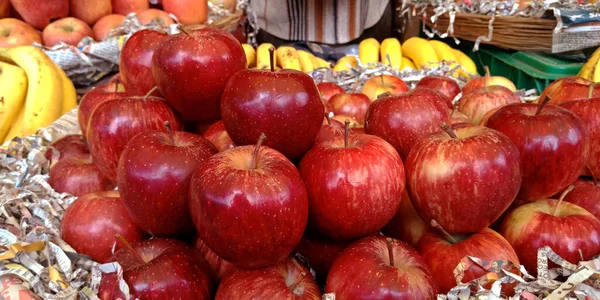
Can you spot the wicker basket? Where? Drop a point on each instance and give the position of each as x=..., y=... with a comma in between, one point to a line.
x=516, y=33
x=228, y=23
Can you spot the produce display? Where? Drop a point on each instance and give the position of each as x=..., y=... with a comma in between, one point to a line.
x=211, y=169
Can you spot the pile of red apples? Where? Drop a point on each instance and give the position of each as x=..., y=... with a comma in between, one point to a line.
x=224, y=174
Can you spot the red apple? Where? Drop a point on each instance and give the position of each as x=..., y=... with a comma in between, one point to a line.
x=15, y=32
x=586, y=194
x=478, y=101
x=354, y=185
x=553, y=143
x=280, y=104
x=444, y=85
x=353, y=105
x=570, y=88
x=125, y=7
x=90, y=11
x=463, y=177
x=147, y=197
x=458, y=117
x=572, y=232
x=328, y=90
x=331, y=128
x=320, y=251
x=255, y=183
x=405, y=119
x=159, y=269
x=107, y=23
x=93, y=98
x=188, y=12
x=5, y=9
x=588, y=110
x=78, y=175
x=380, y=268
x=444, y=253
x=115, y=122
x=160, y=17
x=406, y=225
x=382, y=84
x=91, y=222
x=288, y=280
x=192, y=68
x=68, y=30
x=71, y=145
x=136, y=61
x=219, y=137
x=40, y=13
x=218, y=266
x=488, y=81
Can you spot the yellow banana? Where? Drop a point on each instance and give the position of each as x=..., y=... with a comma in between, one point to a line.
x=419, y=51
x=16, y=128
x=407, y=63
x=445, y=52
x=250, y=55
x=69, y=92
x=588, y=71
x=391, y=52
x=368, y=51
x=43, y=103
x=305, y=61
x=288, y=58
x=466, y=62
x=12, y=95
x=346, y=63
x=319, y=62
x=263, y=58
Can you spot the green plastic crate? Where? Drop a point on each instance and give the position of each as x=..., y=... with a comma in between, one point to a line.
x=526, y=69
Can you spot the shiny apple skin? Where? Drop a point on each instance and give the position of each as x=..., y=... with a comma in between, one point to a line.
x=333, y=128
x=272, y=282
x=218, y=136
x=71, y=145
x=92, y=221
x=458, y=117
x=407, y=225
x=554, y=146
x=465, y=184
x=280, y=104
x=354, y=105
x=533, y=226
x=252, y=218
x=78, y=175
x=352, y=190
x=171, y=270
x=444, y=85
x=378, y=85
x=115, y=122
x=320, y=251
x=406, y=119
x=569, y=89
x=363, y=271
x=135, y=67
x=588, y=110
x=442, y=257
x=328, y=90
x=93, y=98
x=218, y=266
x=478, y=101
x=483, y=81
x=191, y=71
x=159, y=204
x=586, y=194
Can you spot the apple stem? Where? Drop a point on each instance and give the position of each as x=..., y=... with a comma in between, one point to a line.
x=328, y=119
x=382, y=82
x=541, y=106
x=346, y=132
x=122, y=239
x=591, y=90
x=254, y=162
x=300, y=277
x=152, y=90
x=562, y=197
x=445, y=127
x=185, y=31
x=170, y=131
x=272, y=58
x=390, y=244
x=443, y=231
x=486, y=76
x=117, y=82
x=587, y=166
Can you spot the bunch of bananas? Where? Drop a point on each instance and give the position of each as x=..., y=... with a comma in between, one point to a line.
x=591, y=68
x=286, y=57
x=34, y=91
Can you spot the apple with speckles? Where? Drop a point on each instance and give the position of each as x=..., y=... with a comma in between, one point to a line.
x=249, y=205
x=320, y=251
x=406, y=225
x=588, y=110
x=464, y=177
x=353, y=105
x=93, y=98
x=377, y=267
x=383, y=84
x=218, y=136
x=192, y=68
x=135, y=67
x=570, y=88
x=329, y=89
x=354, y=183
x=91, y=222
x=78, y=175
x=159, y=269
x=218, y=266
x=444, y=85
x=159, y=204
x=479, y=101
x=70, y=145
x=586, y=194
x=287, y=280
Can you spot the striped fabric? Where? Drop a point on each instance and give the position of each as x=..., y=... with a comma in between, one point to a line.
x=322, y=21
